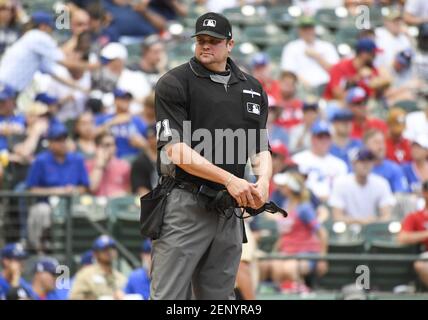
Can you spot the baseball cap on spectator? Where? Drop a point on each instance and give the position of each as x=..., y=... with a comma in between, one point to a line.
x=421, y=140
x=46, y=264
x=286, y=179
x=146, y=246
x=279, y=148
x=57, y=131
x=87, y=258
x=13, y=251
x=113, y=51
x=120, y=93
x=356, y=95
x=42, y=17
x=46, y=98
x=259, y=60
x=103, y=242
x=404, y=58
x=341, y=115
x=306, y=22
x=363, y=154
x=320, y=127
x=392, y=14
x=366, y=45
x=310, y=106
x=7, y=92
x=214, y=25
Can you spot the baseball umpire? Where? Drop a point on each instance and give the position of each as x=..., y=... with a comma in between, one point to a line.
x=199, y=247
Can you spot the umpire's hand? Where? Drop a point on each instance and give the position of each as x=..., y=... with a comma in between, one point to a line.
x=244, y=193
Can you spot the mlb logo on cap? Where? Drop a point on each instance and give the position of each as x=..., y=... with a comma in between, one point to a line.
x=209, y=23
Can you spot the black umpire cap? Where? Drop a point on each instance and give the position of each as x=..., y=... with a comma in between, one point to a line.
x=213, y=24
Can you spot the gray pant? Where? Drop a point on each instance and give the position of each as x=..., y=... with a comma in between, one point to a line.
x=197, y=249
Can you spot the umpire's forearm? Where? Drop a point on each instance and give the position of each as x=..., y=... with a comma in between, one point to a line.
x=262, y=165
x=193, y=163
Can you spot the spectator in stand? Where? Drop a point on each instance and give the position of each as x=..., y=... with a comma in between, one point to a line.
x=397, y=147
x=10, y=124
x=414, y=231
x=84, y=135
x=405, y=80
x=361, y=197
x=356, y=71
x=9, y=24
x=108, y=175
x=300, y=233
x=134, y=18
x=44, y=279
x=318, y=164
x=308, y=57
x=416, y=171
x=276, y=131
x=79, y=23
x=374, y=140
x=300, y=135
x=343, y=145
x=100, y=26
x=36, y=51
x=12, y=264
x=53, y=172
x=169, y=9
x=128, y=130
x=356, y=101
x=391, y=38
x=292, y=105
x=416, y=12
x=153, y=59
x=144, y=176
x=114, y=74
x=148, y=116
x=262, y=71
x=417, y=123
x=100, y=280
x=139, y=280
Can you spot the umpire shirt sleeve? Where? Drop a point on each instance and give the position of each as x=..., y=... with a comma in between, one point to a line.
x=263, y=144
x=170, y=107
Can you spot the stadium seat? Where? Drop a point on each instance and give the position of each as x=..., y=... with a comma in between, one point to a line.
x=266, y=35
x=238, y=16
x=275, y=52
x=347, y=35
x=327, y=17
x=125, y=216
x=341, y=273
x=386, y=275
x=280, y=16
x=268, y=230
x=379, y=231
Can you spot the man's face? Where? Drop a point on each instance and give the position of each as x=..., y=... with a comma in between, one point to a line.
x=7, y=106
x=321, y=143
x=368, y=58
x=122, y=104
x=310, y=116
x=58, y=146
x=307, y=33
x=47, y=280
x=288, y=87
x=210, y=50
x=79, y=22
x=106, y=256
x=277, y=162
x=342, y=128
x=363, y=168
x=394, y=26
x=376, y=144
x=154, y=54
x=11, y=265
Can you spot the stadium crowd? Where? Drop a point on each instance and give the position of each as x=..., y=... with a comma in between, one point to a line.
x=348, y=129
